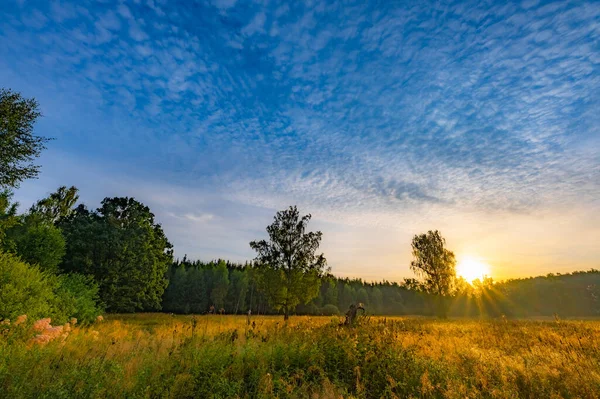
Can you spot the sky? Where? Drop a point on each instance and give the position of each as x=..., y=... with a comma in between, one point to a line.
x=382, y=119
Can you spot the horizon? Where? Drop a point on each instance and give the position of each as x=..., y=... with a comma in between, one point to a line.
x=382, y=121
x=399, y=282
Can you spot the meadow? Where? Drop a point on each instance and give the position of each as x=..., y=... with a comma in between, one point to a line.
x=213, y=356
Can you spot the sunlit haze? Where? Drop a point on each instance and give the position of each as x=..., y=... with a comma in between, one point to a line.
x=381, y=119
x=472, y=269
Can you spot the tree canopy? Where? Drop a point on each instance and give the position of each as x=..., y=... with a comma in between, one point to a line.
x=8, y=218
x=288, y=270
x=18, y=145
x=39, y=244
x=34, y=235
x=435, y=264
x=57, y=205
x=123, y=248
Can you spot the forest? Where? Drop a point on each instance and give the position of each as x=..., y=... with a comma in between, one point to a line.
x=116, y=258
x=194, y=286
x=62, y=259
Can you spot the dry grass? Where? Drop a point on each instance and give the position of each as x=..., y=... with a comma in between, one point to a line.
x=158, y=355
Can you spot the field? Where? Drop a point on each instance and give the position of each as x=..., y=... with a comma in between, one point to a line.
x=163, y=356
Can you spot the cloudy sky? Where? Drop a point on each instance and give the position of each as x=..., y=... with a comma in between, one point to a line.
x=382, y=119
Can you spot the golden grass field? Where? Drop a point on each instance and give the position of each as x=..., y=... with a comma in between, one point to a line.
x=164, y=356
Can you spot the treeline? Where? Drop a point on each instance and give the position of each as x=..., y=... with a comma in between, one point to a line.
x=65, y=260
x=195, y=286
x=60, y=259
x=574, y=294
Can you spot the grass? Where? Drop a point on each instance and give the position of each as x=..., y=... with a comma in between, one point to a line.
x=161, y=356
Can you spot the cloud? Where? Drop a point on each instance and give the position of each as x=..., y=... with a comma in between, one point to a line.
x=256, y=25
x=203, y=218
x=366, y=114
x=224, y=4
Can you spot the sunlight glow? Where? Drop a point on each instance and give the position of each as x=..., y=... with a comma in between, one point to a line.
x=471, y=269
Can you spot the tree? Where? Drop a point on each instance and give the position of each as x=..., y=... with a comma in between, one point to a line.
x=18, y=145
x=39, y=244
x=287, y=269
x=413, y=284
x=238, y=290
x=195, y=288
x=175, y=296
x=347, y=296
x=220, y=283
x=57, y=205
x=8, y=218
x=362, y=296
x=34, y=236
x=435, y=264
x=79, y=297
x=376, y=300
x=331, y=292
x=123, y=248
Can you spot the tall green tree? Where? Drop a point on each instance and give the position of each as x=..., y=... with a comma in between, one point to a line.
x=376, y=300
x=196, y=290
x=18, y=145
x=8, y=219
x=38, y=244
x=123, y=248
x=288, y=270
x=57, y=205
x=35, y=238
x=176, y=296
x=220, y=284
x=347, y=296
x=331, y=292
x=238, y=289
x=362, y=296
x=435, y=265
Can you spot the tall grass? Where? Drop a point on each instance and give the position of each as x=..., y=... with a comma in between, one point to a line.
x=160, y=356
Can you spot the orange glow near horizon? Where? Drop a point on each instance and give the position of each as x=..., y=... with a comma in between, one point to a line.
x=472, y=269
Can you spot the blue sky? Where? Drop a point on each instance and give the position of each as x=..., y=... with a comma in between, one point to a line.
x=383, y=119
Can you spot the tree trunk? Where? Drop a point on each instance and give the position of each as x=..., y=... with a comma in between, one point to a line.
x=441, y=307
x=286, y=314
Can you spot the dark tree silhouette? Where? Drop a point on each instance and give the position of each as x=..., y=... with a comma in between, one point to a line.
x=435, y=264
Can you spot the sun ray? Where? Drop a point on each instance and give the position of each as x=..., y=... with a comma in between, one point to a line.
x=471, y=269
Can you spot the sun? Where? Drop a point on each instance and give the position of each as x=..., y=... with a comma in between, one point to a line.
x=471, y=269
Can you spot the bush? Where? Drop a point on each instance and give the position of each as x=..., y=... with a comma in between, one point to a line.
x=25, y=289
x=78, y=296
x=330, y=310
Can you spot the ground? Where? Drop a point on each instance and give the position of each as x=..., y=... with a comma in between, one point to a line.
x=164, y=356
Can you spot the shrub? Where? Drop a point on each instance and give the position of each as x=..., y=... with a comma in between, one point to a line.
x=78, y=296
x=25, y=289
x=330, y=310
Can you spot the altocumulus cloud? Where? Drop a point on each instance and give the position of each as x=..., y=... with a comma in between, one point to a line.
x=366, y=113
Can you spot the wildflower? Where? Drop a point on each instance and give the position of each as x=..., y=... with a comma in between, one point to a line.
x=53, y=332
x=99, y=318
x=21, y=319
x=42, y=324
x=41, y=339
